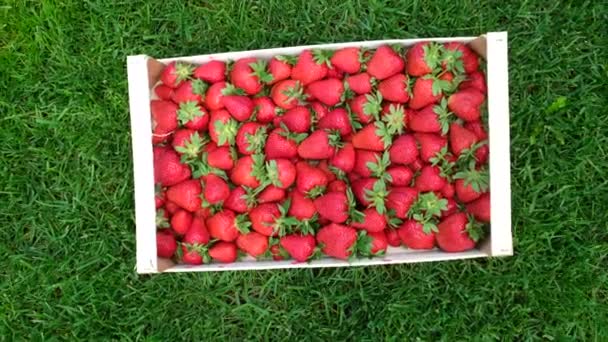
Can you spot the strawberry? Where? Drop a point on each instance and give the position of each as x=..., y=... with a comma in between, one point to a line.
x=251, y=138
x=333, y=206
x=385, y=63
x=225, y=225
x=186, y=194
x=477, y=128
x=182, y=139
x=281, y=172
x=337, y=119
x=300, y=247
x=248, y=73
x=212, y=71
x=319, y=110
x=475, y=80
x=363, y=159
x=400, y=199
x=431, y=119
x=264, y=109
x=360, y=83
x=240, y=200
x=190, y=91
x=213, y=97
x=337, y=186
x=248, y=171
x=372, y=222
x=282, y=144
x=430, y=179
x=297, y=119
x=199, y=229
x=221, y=158
x=171, y=207
x=280, y=67
x=404, y=150
x=302, y=207
x=320, y=144
x=344, y=158
x=362, y=186
x=163, y=92
x=451, y=208
x=165, y=244
x=277, y=252
x=181, y=221
x=413, y=236
x=395, y=88
x=461, y=139
x=175, y=73
x=419, y=231
x=423, y=58
x=392, y=237
x=466, y=104
x=193, y=116
x=379, y=135
x=222, y=128
x=287, y=94
x=400, y=175
x=430, y=145
x=328, y=91
x=366, y=107
x=480, y=208
x=311, y=66
x=427, y=90
x=448, y=191
x=337, y=240
x=471, y=184
x=224, y=252
x=324, y=166
x=417, y=165
x=253, y=243
x=194, y=244
x=333, y=72
x=271, y=194
x=216, y=189
x=263, y=218
x=240, y=107
x=168, y=170
x=347, y=60
x=469, y=61
x=378, y=245
x=164, y=119
x=457, y=233
x=310, y=180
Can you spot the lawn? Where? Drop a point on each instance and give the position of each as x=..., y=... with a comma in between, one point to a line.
x=66, y=191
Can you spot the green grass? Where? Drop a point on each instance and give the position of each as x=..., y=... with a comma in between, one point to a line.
x=66, y=191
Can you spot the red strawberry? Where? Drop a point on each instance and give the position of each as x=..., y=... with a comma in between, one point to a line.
x=482, y=154
x=263, y=218
x=297, y=119
x=202, y=213
x=181, y=221
x=198, y=229
x=360, y=186
x=193, y=116
x=183, y=137
x=360, y=83
x=310, y=180
x=265, y=109
x=282, y=144
x=251, y=138
x=392, y=237
x=223, y=225
x=193, y=244
x=328, y=91
x=404, y=150
x=413, y=235
x=324, y=166
x=466, y=193
x=430, y=179
x=186, y=194
x=385, y=63
x=222, y=128
x=333, y=206
x=189, y=91
x=430, y=119
x=400, y=175
x=253, y=243
x=337, y=119
x=477, y=128
x=423, y=58
x=311, y=66
x=240, y=200
x=240, y=107
x=247, y=74
x=470, y=62
x=216, y=189
x=470, y=184
x=213, y=97
x=221, y=158
x=347, y=60
x=430, y=145
x=337, y=240
x=344, y=158
x=365, y=107
x=224, y=252
x=171, y=207
x=319, y=145
x=287, y=94
x=369, y=139
x=277, y=253
x=337, y=186
x=451, y=208
x=457, y=233
x=379, y=135
x=427, y=90
x=461, y=139
x=335, y=73
x=319, y=110
x=271, y=194
x=168, y=170
x=302, y=207
x=475, y=80
x=163, y=92
x=448, y=191
x=212, y=71
x=480, y=208
x=248, y=171
x=395, y=88
x=372, y=222
x=379, y=243
x=165, y=243
x=175, y=73
x=164, y=119
x=300, y=247
x=280, y=67
x=466, y=104
x=400, y=199
x=362, y=160
x=281, y=172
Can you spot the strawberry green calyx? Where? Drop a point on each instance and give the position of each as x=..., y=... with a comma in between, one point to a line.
x=316, y=192
x=297, y=137
x=474, y=229
x=378, y=168
x=158, y=189
x=202, y=250
x=335, y=139
x=427, y=210
x=347, y=94
x=373, y=106
x=226, y=131
x=256, y=141
x=363, y=246
x=242, y=223
x=250, y=196
x=285, y=224
x=433, y=55
x=392, y=220
x=230, y=89
x=385, y=133
x=355, y=124
x=354, y=215
x=309, y=226
x=398, y=48
x=444, y=115
x=365, y=55
x=467, y=158
x=377, y=196
x=439, y=86
x=259, y=171
x=259, y=70
x=452, y=59
x=322, y=57
x=291, y=60
x=443, y=160
x=395, y=119
x=339, y=173
x=272, y=173
x=188, y=111
x=199, y=87
x=295, y=93
x=477, y=179
x=161, y=220
x=183, y=71
x=192, y=147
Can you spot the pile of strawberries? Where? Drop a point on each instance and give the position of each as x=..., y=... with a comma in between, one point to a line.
x=339, y=153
